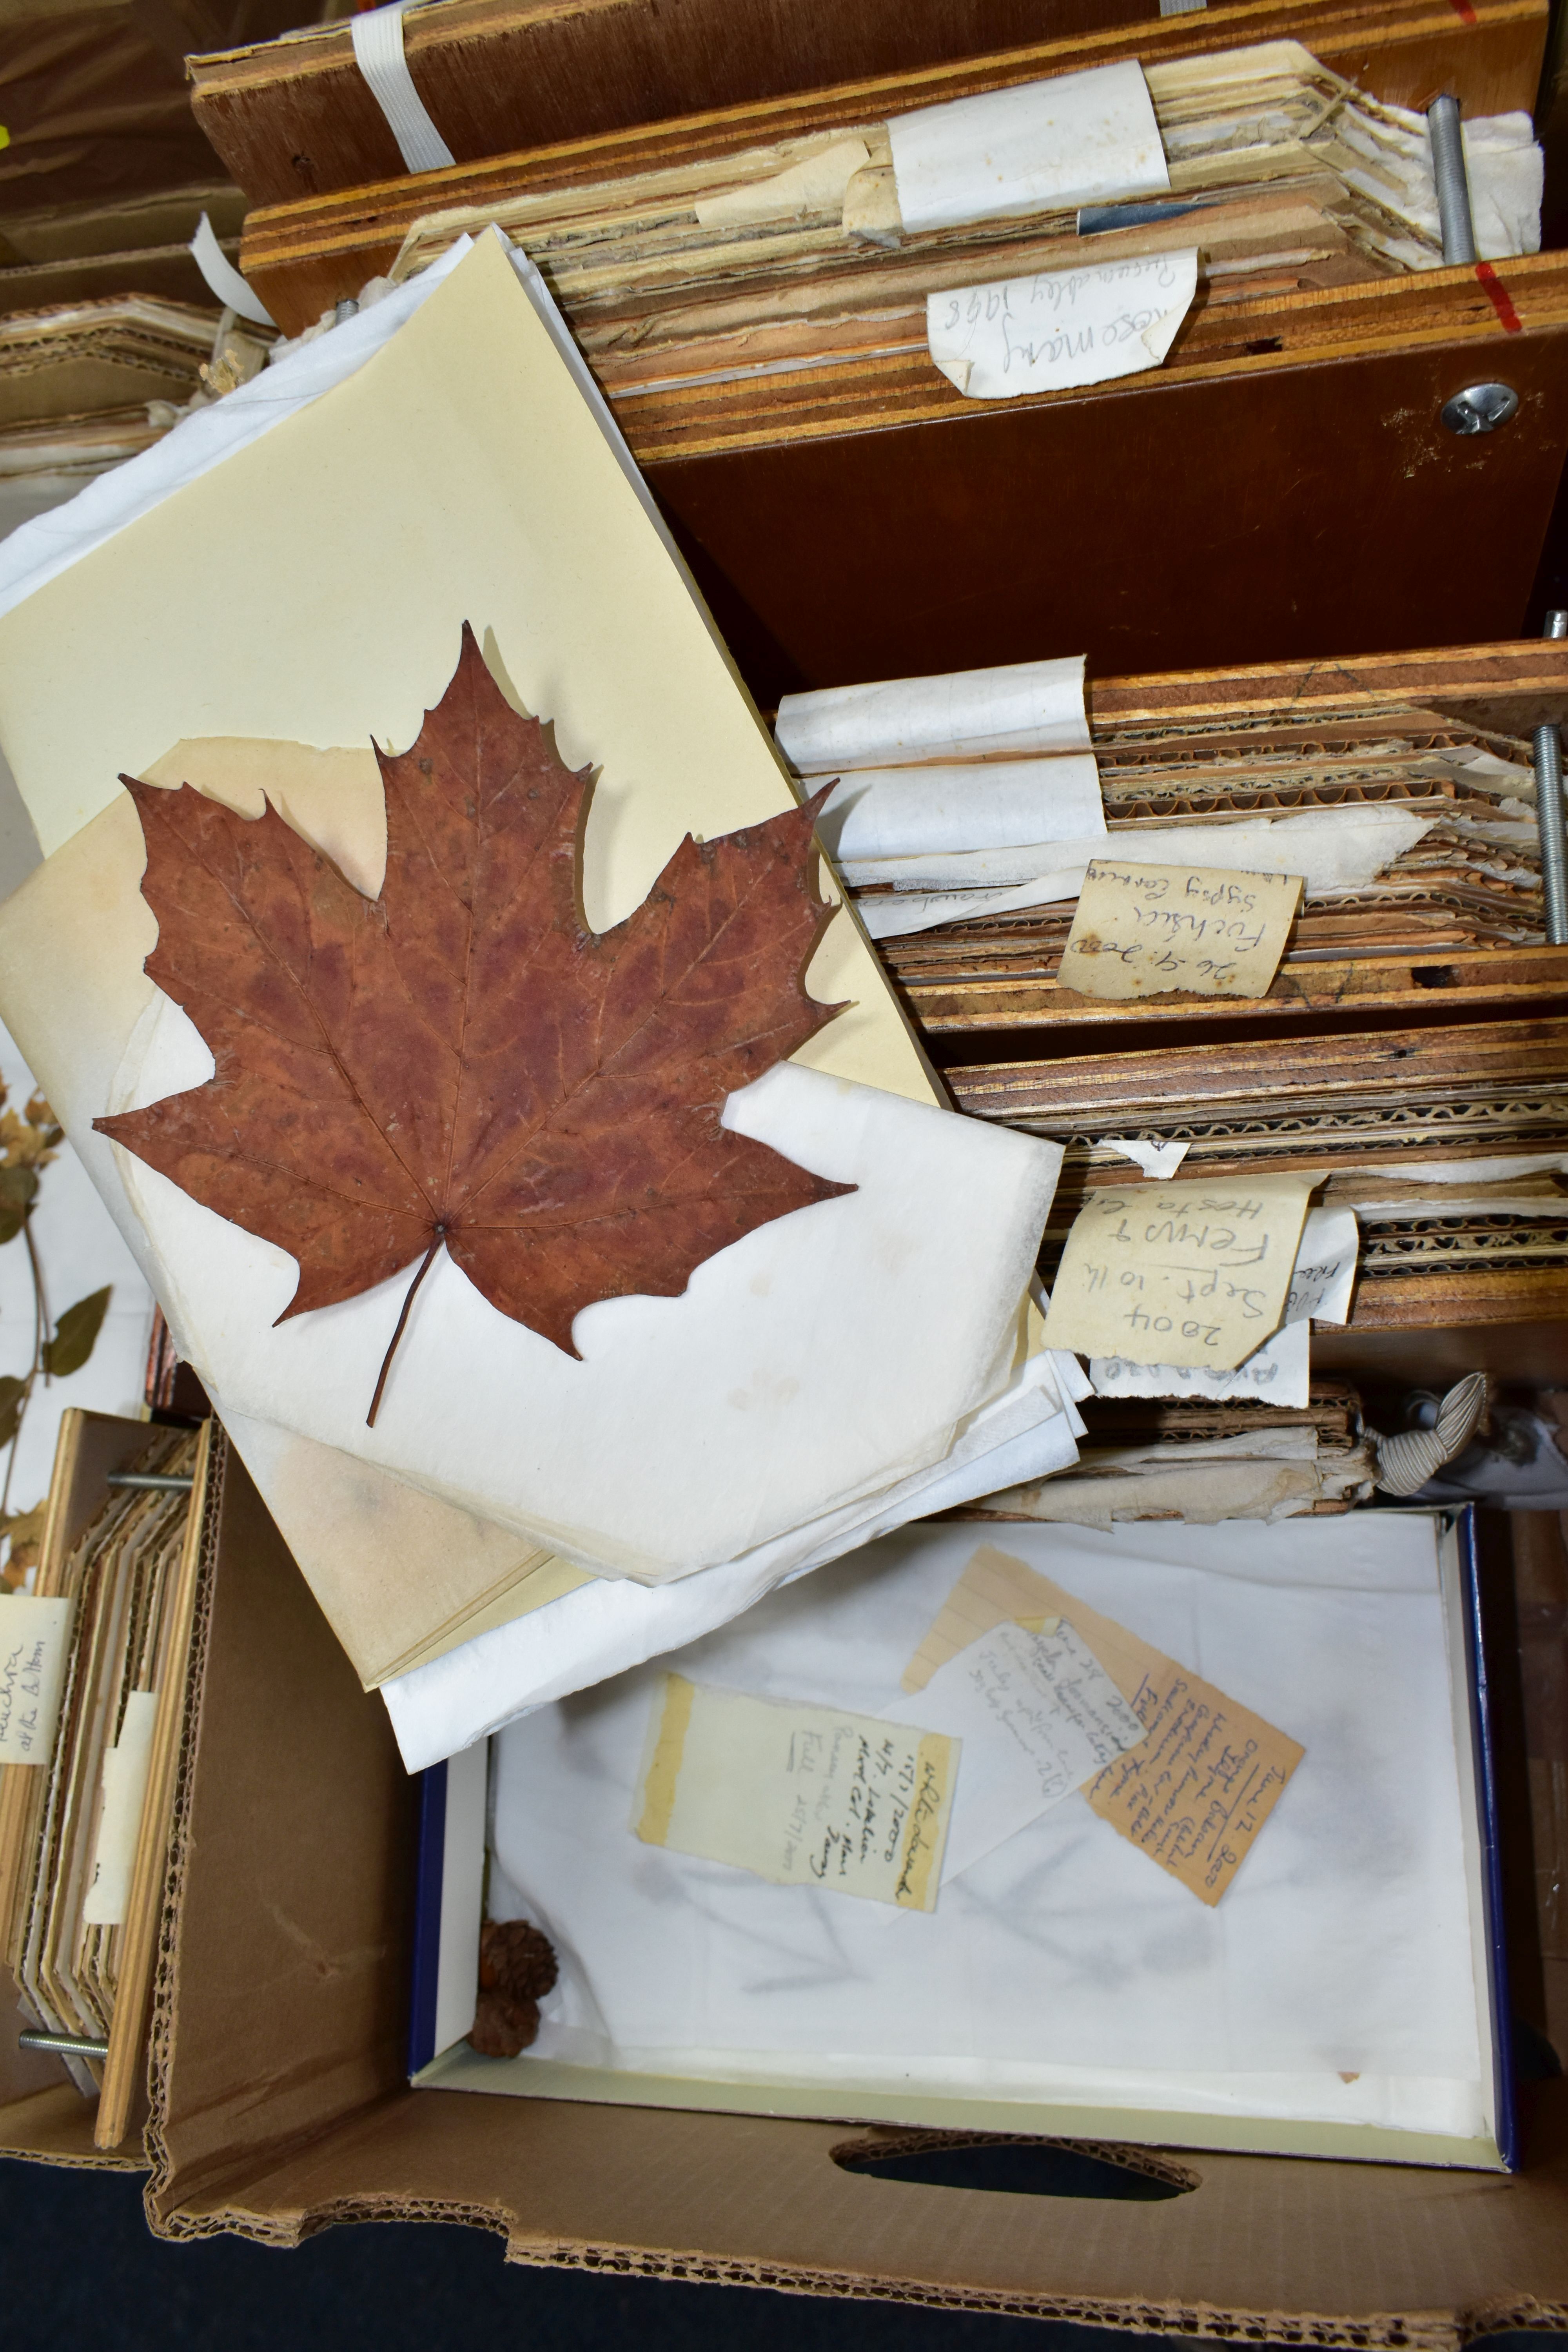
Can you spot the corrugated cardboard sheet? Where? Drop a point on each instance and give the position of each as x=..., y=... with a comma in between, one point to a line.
x=280, y=2104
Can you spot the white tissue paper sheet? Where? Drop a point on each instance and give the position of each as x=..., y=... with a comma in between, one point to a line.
x=1064, y=1963
x=982, y=804
x=1030, y=1433
x=739, y=1411
x=1330, y=848
x=1076, y=140
x=1060, y=328
x=968, y=714
x=1504, y=166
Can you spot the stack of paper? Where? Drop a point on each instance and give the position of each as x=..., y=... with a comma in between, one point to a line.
x=1448, y=1144
x=664, y=1449
x=1145, y=1458
x=1260, y=170
x=85, y=385
x=1413, y=836
x=92, y=1674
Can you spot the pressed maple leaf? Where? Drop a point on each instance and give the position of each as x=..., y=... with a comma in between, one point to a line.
x=462, y=1060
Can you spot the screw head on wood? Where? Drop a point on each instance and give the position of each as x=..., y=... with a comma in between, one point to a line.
x=1480, y=408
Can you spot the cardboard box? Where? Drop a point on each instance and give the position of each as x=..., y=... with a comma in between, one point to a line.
x=279, y=2102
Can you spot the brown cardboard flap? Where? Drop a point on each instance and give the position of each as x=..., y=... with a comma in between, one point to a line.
x=1412, y=2256
x=282, y=2004
x=43, y=2115
x=279, y=2052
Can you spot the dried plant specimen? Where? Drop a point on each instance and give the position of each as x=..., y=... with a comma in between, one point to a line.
x=461, y=1063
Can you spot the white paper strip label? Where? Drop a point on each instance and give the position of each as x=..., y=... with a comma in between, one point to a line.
x=966, y=714
x=1061, y=327
x=1157, y=1159
x=1277, y=1373
x=35, y=1641
x=125, y=1768
x=222, y=279
x=378, y=53
x=1039, y=148
x=1323, y=1275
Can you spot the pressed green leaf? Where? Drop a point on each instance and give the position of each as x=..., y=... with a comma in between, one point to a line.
x=19, y=1189
x=75, y=1332
x=12, y=1392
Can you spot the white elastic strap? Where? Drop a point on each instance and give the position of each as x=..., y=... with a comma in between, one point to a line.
x=378, y=53
x=224, y=280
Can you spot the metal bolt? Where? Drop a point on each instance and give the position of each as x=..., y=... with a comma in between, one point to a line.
x=1549, y=819
x=1453, y=185
x=1480, y=408
x=64, y=2045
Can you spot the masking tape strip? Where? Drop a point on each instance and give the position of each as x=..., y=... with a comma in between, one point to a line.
x=224, y=280
x=378, y=53
x=664, y=1772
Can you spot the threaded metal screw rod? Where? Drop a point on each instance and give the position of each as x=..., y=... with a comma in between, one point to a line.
x=63, y=2046
x=1548, y=812
x=1453, y=183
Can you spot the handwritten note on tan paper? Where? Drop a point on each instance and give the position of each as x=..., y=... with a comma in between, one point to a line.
x=805, y=1796
x=35, y=1645
x=1146, y=931
x=1182, y=1273
x=1194, y=1793
x=1037, y=1715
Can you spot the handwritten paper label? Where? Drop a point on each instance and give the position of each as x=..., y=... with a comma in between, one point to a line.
x=1279, y=1373
x=35, y=1643
x=1146, y=931
x=1195, y=1792
x=125, y=1770
x=1194, y=1273
x=1323, y=1275
x=1037, y=1715
x=805, y=1796
x=1061, y=326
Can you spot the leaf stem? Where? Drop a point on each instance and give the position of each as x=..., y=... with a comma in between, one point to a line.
x=40, y=1297
x=440, y=1236
x=41, y=1326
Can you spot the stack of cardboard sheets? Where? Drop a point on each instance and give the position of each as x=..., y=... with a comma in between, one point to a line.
x=84, y=386
x=799, y=254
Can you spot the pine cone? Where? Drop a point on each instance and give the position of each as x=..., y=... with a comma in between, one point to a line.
x=517, y=1961
x=501, y=2027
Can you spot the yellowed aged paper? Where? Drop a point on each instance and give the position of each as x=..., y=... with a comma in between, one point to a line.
x=801, y=1795
x=1147, y=931
x=35, y=1645
x=1193, y=1794
x=578, y=607
x=1186, y=1274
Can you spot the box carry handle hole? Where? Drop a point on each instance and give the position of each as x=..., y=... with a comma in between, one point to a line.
x=1018, y=2163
